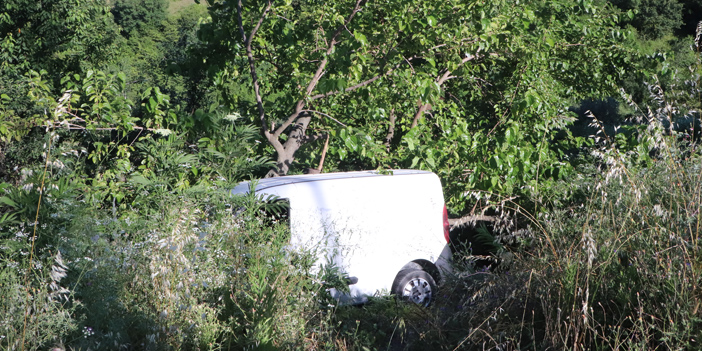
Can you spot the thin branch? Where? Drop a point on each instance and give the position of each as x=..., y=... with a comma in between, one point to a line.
x=468, y=57
x=351, y=88
x=324, y=154
x=136, y=137
x=516, y=89
x=440, y=80
x=410, y=64
x=427, y=106
x=330, y=48
x=359, y=85
x=260, y=21
x=279, y=16
x=460, y=103
x=252, y=63
x=71, y=126
x=406, y=60
x=420, y=112
x=320, y=71
x=326, y=115
x=321, y=35
x=464, y=40
x=347, y=30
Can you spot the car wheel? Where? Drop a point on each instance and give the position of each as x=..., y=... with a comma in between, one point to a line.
x=414, y=285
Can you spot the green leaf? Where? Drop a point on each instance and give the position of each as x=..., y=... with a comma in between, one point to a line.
x=550, y=42
x=140, y=180
x=8, y=202
x=342, y=153
x=494, y=181
x=430, y=161
x=8, y=218
x=431, y=21
x=530, y=99
x=361, y=38
x=410, y=143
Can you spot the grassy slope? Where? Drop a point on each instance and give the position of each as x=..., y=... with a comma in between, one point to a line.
x=177, y=5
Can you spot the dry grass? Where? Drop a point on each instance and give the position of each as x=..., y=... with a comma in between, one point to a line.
x=175, y=6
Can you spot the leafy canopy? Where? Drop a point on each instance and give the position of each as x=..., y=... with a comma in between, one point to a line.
x=472, y=90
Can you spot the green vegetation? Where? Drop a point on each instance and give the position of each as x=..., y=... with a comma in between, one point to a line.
x=123, y=124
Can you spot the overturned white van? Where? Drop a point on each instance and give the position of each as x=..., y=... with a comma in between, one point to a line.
x=387, y=231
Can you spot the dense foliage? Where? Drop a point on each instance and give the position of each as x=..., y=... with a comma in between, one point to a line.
x=573, y=124
x=432, y=85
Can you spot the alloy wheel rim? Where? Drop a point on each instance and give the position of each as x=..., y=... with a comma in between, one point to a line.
x=417, y=290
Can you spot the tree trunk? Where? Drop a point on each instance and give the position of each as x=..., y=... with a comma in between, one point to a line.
x=296, y=138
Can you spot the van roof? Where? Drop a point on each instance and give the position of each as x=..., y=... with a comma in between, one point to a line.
x=266, y=183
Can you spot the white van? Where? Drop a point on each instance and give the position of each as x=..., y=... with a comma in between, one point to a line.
x=387, y=231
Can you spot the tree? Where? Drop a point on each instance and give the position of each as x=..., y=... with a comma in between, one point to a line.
x=437, y=85
x=57, y=36
x=62, y=37
x=72, y=37
x=653, y=18
x=133, y=15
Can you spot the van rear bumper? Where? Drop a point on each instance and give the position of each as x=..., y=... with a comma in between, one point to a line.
x=443, y=264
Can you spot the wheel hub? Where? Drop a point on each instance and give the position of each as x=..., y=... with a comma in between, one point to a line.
x=418, y=291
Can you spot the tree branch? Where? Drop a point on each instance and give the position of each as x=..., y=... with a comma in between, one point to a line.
x=258, y=25
x=72, y=126
x=326, y=115
x=320, y=70
x=289, y=120
x=516, y=89
x=330, y=48
x=405, y=60
x=324, y=154
x=252, y=63
x=359, y=85
x=440, y=80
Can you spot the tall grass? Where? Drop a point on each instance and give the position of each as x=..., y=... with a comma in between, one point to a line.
x=614, y=261
x=189, y=275
x=627, y=266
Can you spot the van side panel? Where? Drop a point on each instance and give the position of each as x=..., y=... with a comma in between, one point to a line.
x=369, y=227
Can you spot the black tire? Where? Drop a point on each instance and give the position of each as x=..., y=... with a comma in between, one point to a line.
x=414, y=285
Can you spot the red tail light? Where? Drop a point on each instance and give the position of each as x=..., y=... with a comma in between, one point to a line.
x=446, y=225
